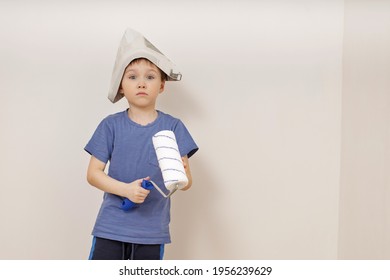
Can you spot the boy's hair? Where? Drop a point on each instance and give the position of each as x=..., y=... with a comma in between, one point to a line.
x=162, y=73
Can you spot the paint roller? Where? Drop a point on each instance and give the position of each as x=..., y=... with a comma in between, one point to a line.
x=171, y=166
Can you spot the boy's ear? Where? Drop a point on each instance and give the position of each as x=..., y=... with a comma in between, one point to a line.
x=162, y=86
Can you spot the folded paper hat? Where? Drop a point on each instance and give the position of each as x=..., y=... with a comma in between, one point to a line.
x=132, y=46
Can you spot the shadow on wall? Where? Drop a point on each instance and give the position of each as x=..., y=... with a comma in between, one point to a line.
x=178, y=100
x=194, y=218
x=194, y=222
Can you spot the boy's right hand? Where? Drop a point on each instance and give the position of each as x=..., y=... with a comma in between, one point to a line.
x=136, y=193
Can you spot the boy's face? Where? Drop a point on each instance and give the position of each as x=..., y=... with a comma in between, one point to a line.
x=141, y=84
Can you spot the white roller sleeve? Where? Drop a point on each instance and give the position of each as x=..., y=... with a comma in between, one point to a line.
x=169, y=160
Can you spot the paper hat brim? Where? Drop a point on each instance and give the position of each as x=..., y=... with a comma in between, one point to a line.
x=132, y=46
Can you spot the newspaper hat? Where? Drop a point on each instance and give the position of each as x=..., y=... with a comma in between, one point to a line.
x=132, y=46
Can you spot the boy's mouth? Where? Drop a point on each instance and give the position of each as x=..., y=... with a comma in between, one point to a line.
x=142, y=93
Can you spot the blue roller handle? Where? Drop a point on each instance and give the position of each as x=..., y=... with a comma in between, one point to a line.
x=127, y=204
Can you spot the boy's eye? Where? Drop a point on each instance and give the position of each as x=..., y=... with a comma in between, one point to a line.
x=132, y=77
x=150, y=77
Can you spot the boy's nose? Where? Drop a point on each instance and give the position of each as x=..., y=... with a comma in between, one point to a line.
x=141, y=85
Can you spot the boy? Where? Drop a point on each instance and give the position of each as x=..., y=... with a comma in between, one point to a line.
x=125, y=140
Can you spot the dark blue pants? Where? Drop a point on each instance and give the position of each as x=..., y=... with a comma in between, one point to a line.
x=106, y=249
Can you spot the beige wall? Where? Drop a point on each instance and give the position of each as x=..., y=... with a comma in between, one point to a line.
x=365, y=160
x=261, y=94
x=265, y=97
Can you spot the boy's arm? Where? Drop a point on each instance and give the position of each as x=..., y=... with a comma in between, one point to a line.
x=188, y=172
x=99, y=179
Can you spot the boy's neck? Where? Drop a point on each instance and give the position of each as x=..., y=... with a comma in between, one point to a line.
x=142, y=116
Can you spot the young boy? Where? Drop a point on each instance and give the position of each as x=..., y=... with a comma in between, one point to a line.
x=125, y=140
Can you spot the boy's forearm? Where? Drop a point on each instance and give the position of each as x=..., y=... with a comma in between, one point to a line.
x=188, y=173
x=102, y=181
x=133, y=191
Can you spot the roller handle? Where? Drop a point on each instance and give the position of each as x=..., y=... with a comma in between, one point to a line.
x=127, y=204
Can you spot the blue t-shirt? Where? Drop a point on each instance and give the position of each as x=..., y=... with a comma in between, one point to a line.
x=128, y=148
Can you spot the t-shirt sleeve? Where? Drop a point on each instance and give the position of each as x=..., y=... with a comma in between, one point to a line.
x=186, y=144
x=101, y=143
